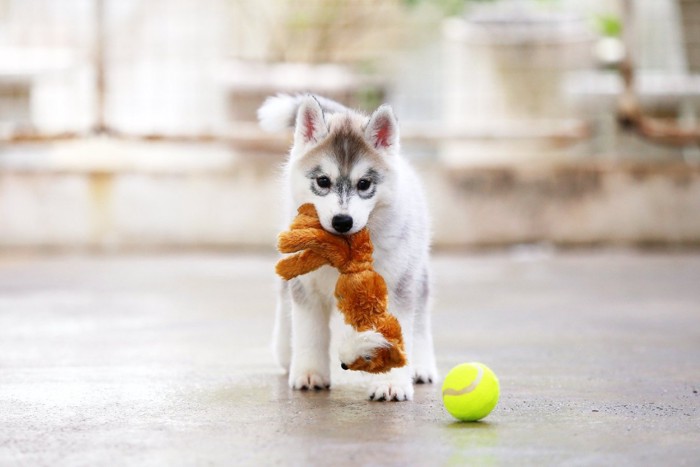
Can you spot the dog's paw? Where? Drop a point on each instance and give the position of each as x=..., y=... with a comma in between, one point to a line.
x=391, y=391
x=309, y=380
x=424, y=375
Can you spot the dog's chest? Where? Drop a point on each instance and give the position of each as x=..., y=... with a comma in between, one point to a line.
x=321, y=282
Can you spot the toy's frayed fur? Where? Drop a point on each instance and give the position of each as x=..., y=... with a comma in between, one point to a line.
x=347, y=163
x=362, y=345
x=360, y=292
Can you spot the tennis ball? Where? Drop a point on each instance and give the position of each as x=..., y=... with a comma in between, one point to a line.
x=470, y=391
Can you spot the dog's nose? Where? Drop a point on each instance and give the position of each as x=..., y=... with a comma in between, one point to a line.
x=343, y=366
x=342, y=223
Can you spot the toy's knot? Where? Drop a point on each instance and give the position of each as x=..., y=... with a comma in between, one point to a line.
x=353, y=267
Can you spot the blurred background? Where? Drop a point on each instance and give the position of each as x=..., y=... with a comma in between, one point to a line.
x=559, y=145
x=129, y=124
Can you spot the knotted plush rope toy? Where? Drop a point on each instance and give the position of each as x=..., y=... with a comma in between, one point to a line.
x=361, y=292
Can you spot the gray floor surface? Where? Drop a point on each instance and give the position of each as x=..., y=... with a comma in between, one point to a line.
x=163, y=360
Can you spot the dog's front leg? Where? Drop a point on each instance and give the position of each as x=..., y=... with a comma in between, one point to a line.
x=282, y=331
x=423, y=357
x=310, y=367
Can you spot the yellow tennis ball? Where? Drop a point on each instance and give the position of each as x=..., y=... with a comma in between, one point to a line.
x=470, y=391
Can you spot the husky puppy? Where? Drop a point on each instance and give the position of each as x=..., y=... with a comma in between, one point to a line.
x=348, y=165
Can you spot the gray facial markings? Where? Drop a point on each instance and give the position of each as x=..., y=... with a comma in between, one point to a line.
x=374, y=177
x=343, y=185
x=344, y=188
x=312, y=175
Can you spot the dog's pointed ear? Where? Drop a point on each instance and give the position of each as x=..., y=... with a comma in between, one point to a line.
x=382, y=131
x=310, y=125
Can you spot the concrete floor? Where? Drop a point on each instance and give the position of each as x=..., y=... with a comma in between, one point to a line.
x=163, y=360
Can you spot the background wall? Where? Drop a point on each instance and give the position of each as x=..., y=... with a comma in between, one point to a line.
x=131, y=124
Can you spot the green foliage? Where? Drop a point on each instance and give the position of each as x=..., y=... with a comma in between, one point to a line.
x=608, y=25
x=448, y=7
x=457, y=7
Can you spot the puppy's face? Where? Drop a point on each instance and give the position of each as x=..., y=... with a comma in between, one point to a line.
x=342, y=165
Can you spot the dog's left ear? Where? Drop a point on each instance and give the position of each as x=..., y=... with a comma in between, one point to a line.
x=382, y=131
x=310, y=124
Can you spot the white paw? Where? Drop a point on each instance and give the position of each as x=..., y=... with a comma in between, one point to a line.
x=424, y=374
x=391, y=391
x=360, y=344
x=424, y=367
x=309, y=380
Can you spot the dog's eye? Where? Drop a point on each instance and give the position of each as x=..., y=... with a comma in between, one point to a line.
x=364, y=184
x=323, y=182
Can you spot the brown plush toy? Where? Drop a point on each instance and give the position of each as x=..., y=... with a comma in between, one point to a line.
x=361, y=292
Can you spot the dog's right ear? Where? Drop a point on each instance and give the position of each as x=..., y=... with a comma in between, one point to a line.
x=383, y=131
x=310, y=125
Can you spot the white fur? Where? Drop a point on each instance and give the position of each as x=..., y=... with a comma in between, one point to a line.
x=398, y=222
x=360, y=344
x=276, y=113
